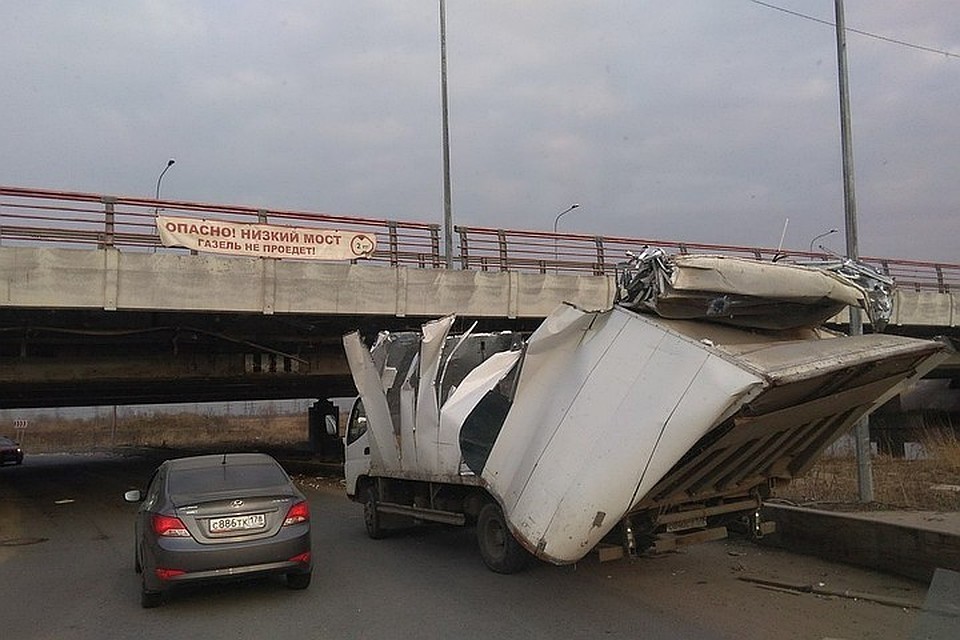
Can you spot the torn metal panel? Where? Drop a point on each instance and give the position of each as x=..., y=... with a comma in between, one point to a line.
x=409, y=460
x=467, y=428
x=428, y=406
x=779, y=434
x=601, y=410
x=751, y=293
x=411, y=373
x=384, y=452
x=603, y=414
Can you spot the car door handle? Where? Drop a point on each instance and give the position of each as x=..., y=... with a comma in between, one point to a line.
x=366, y=451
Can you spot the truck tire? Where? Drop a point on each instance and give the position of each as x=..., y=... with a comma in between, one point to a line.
x=499, y=549
x=371, y=517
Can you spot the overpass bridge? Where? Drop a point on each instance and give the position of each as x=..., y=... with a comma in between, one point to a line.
x=94, y=309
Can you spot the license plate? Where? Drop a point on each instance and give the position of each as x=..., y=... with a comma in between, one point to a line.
x=238, y=523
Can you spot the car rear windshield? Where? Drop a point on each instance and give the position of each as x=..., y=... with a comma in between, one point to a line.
x=225, y=477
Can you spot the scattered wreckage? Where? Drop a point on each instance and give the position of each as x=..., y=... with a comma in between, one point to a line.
x=658, y=422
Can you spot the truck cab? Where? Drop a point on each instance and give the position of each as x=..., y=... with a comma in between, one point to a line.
x=356, y=447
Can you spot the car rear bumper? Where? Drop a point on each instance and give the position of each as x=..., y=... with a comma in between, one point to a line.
x=213, y=562
x=237, y=572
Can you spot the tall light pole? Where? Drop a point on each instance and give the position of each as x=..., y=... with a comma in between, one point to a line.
x=447, y=206
x=862, y=428
x=170, y=163
x=822, y=235
x=556, y=250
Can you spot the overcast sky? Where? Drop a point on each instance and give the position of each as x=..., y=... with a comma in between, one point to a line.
x=704, y=121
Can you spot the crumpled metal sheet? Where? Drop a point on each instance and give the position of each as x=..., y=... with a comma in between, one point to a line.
x=751, y=293
x=878, y=287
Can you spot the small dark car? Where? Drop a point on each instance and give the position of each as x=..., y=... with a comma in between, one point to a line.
x=10, y=451
x=215, y=517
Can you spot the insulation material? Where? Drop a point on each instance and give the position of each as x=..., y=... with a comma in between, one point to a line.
x=752, y=293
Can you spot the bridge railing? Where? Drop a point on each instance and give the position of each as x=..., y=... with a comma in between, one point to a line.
x=33, y=217
x=488, y=249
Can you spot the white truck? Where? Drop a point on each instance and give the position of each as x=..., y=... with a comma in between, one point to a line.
x=657, y=422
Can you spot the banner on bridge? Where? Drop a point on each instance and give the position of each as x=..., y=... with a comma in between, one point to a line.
x=264, y=240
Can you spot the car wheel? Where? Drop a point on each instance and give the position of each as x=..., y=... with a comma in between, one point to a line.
x=298, y=580
x=371, y=517
x=499, y=549
x=149, y=599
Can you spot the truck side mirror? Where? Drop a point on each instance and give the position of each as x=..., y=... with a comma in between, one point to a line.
x=331, y=424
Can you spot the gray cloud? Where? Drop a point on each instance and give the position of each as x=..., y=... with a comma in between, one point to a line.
x=705, y=122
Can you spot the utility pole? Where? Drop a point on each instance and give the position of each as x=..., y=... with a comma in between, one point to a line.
x=447, y=206
x=862, y=428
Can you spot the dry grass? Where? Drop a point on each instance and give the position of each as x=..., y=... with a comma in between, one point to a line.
x=48, y=435
x=832, y=482
x=897, y=483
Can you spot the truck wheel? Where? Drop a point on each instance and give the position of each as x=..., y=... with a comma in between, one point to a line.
x=371, y=517
x=499, y=549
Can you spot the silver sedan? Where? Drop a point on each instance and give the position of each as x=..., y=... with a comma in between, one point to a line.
x=215, y=517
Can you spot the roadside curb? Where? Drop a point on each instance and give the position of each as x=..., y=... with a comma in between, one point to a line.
x=913, y=551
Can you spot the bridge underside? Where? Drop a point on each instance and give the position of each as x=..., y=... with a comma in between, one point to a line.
x=61, y=358
x=87, y=358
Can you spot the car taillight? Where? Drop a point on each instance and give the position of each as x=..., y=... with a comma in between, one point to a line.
x=303, y=558
x=167, y=574
x=169, y=527
x=298, y=513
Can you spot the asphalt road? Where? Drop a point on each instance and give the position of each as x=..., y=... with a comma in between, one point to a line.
x=66, y=571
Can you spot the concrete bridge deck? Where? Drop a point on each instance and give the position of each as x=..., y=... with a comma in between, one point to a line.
x=94, y=310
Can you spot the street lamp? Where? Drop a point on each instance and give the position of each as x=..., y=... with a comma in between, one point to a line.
x=165, y=169
x=822, y=235
x=556, y=250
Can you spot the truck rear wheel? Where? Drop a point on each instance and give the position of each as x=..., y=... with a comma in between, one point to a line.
x=371, y=517
x=499, y=549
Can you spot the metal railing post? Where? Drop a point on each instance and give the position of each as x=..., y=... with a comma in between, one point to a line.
x=435, y=245
x=502, y=247
x=394, y=244
x=601, y=265
x=109, y=221
x=464, y=249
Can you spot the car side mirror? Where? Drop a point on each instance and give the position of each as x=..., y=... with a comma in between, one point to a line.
x=331, y=424
x=133, y=496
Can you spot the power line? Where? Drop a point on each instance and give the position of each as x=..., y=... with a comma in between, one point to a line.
x=875, y=36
